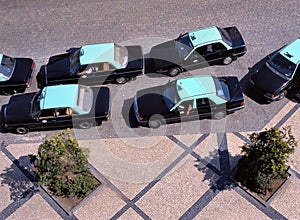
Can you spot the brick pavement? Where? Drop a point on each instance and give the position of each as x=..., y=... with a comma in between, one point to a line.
x=190, y=169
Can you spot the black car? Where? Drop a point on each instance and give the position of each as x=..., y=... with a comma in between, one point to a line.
x=56, y=107
x=279, y=73
x=212, y=45
x=15, y=74
x=188, y=99
x=92, y=65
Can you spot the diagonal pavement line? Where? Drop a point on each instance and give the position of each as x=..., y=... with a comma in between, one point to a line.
x=129, y=203
x=297, y=174
x=54, y=205
x=287, y=116
x=193, y=153
x=242, y=137
x=25, y=172
x=223, y=153
x=164, y=172
x=267, y=210
x=11, y=208
x=221, y=184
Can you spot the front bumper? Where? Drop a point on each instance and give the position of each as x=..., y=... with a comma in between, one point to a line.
x=136, y=112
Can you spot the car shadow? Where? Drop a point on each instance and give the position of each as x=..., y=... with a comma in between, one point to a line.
x=252, y=92
x=150, y=68
x=128, y=114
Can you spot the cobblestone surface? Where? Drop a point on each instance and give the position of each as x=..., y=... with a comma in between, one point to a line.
x=193, y=183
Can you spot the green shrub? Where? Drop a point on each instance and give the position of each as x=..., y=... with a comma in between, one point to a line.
x=62, y=166
x=264, y=160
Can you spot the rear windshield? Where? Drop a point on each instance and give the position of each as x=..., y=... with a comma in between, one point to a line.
x=222, y=89
x=6, y=68
x=121, y=55
x=85, y=99
x=225, y=36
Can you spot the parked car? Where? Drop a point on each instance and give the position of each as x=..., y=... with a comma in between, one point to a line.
x=15, y=74
x=188, y=98
x=93, y=64
x=56, y=106
x=279, y=72
x=212, y=45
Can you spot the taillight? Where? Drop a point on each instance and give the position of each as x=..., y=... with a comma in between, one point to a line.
x=272, y=96
x=141, y=118
x=28, y=82
x=242, y=103
x=32, y=65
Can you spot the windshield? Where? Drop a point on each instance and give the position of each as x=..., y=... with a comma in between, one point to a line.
x=6, y=68
x=84, y=99
x=121, y=55
x=225, y=36
x=282, y=65
x=170, y=95
x=222, y=89
x=35, y=104
x=184, y=45
x=74, y=62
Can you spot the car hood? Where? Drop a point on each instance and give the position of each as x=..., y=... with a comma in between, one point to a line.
x=18, y=109
x=150, y=101
x=58, y=67
x=22, y=71
x=267, y=80
x=165, y=54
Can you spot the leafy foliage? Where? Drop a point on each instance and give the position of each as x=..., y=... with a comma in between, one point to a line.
x=264, y=160
x=62, y=166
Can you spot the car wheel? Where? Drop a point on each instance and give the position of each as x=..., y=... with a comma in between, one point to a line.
x=282, y=95
x=174, y=71
x=155, y=121
x=21, y=130
x=85, y=125
x=219, y=115
x=121, y=80
x=227, y=60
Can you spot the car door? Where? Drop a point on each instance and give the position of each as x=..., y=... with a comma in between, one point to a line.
x=215, y=52
x=196, y=59
x=96, y=73
x=55, y=118
x=187, y=110
x=203, y=107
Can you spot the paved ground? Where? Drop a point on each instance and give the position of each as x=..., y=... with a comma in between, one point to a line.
x=180, y=170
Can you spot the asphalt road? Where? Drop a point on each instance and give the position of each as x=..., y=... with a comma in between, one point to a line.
x=40, y=29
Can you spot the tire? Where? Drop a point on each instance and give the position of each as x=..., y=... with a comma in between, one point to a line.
x=21, y=130
x=219, y=115
x=227, y=60
x=85, y=125
x=281, y=95
x=174, y=71
x=155, y=121
x=121, y=80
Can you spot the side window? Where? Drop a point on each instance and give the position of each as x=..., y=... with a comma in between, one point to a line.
x=62, y=112
x=106, y=66
x=201, y=103
x=47, y=113
x=217, y=48
x=185, y=105
x=201, y=50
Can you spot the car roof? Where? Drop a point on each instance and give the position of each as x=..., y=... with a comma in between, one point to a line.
x=98, y=53
x=292, y=51
x=204, y=35
x=195, y=86
x=60, y=96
